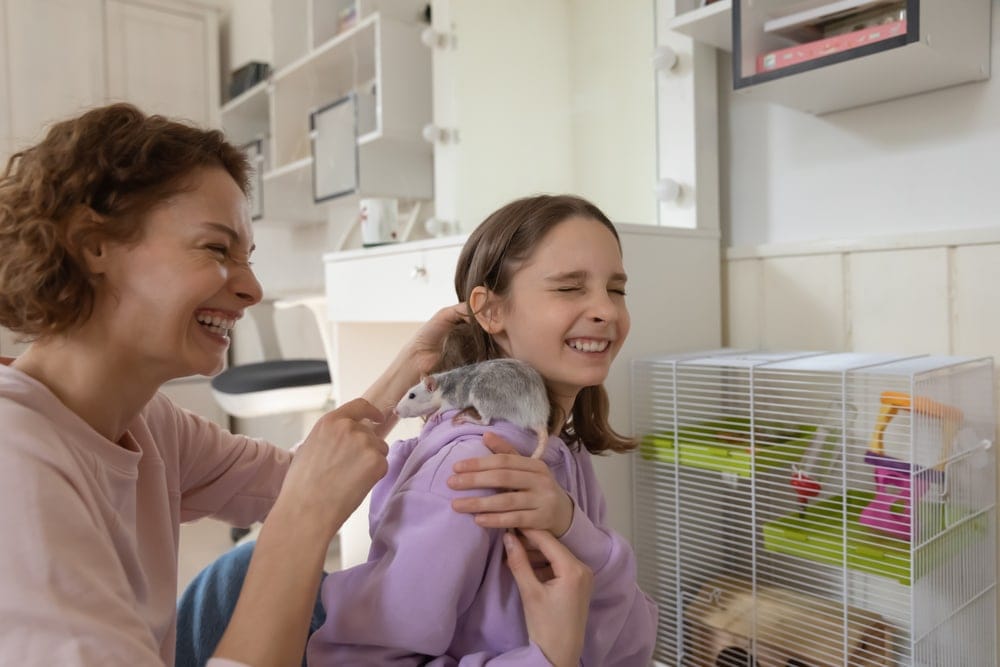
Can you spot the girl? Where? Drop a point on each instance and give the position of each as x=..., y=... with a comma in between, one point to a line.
x=544, y=283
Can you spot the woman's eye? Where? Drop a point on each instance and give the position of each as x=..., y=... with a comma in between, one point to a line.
x=569, y=289
x=618, y=290
x=219, y=249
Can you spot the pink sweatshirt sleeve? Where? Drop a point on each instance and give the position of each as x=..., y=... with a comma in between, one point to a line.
x=232, y=477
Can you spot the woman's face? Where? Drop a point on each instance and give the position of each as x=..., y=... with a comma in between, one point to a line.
x=565, y=311
x=167, y=303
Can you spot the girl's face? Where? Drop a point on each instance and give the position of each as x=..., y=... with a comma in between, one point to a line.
x=565, y=311
x=167, y=303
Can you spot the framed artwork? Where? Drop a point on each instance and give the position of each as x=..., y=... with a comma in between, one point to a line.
x=333, y=130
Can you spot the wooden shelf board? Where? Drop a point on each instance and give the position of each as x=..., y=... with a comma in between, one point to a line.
x=245, y=117
x=288, y=196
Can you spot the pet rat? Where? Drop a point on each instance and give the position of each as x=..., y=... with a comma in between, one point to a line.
x=493, y=389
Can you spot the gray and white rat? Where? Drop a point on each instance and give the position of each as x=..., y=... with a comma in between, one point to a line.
x=493, y=389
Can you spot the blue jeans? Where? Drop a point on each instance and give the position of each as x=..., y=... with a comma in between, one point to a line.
x=204, y=610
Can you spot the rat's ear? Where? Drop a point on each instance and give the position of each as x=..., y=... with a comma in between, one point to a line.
x=430, y=383
x=485, y=306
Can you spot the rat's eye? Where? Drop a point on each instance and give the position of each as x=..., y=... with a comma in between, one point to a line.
x=412, y=395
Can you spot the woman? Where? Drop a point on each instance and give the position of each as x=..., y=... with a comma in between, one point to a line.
x=125, y=244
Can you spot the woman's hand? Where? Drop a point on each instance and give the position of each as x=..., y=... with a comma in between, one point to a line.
x=336, y=466
x=555, y=610
x=528, y=496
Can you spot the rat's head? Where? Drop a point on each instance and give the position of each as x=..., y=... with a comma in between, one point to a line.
x=422, y=399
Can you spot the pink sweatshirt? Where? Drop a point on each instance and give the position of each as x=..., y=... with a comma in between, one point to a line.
x=88, y=562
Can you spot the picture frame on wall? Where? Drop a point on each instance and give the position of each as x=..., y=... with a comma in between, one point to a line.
x=333, y=131
x=254, y=151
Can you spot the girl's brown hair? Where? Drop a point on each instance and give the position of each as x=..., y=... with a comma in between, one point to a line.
x=495, y=250
x=102, y=172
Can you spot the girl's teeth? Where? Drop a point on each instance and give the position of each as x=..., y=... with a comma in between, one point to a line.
x=589, y=346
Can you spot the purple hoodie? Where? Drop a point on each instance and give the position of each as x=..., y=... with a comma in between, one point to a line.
x=436, y=584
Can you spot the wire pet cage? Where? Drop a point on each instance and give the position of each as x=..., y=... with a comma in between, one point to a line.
x=812, y=509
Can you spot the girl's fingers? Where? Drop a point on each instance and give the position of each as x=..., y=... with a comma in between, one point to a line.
x=498, y=445
x=497, y=462
x=500, y=502
x=497, y=478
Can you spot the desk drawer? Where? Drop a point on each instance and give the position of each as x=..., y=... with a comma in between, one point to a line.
x=407, y=286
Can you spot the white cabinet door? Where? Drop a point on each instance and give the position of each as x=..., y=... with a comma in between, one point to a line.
x=504, y=86
x=164, y=60
x=55, y=62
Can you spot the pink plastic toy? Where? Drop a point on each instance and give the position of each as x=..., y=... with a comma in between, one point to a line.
x=899, y=483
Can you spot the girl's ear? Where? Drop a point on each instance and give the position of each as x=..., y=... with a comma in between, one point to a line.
x=486, y=308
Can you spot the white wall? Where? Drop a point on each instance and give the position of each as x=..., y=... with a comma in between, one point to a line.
x=920, y=163
x=249, y=32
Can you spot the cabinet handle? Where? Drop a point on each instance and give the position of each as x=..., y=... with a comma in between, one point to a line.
x=418, y=272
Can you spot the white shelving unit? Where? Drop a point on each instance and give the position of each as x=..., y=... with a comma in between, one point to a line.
x=711, y=24
x=324, y=51
x=941, y=47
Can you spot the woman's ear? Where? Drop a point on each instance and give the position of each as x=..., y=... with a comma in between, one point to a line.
x=83, y=244
x=486, y=308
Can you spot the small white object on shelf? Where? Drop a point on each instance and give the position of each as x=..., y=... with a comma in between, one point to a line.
x=668, y=190
x=664, y=58
x=437, y=40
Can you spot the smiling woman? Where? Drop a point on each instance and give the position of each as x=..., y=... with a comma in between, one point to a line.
x=124, y=258
x=125, y=245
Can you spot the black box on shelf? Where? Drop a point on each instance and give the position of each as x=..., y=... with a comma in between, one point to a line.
x=246, y=77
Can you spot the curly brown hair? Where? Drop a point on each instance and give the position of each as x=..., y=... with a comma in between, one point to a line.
x=491, y=256
x=103, y=170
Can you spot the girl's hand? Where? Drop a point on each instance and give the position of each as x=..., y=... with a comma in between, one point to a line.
x=555, y=611
x=424, y=349
x=335, y=466
x=528, y=496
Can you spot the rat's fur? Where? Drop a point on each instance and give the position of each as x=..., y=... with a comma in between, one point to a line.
x=493, y=389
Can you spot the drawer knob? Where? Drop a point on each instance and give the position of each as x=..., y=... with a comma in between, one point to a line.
x=418, y=272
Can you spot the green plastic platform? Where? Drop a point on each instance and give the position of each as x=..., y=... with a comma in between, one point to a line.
x=817, y=535
x=724, y=445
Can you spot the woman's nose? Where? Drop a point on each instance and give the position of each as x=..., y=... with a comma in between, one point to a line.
x=246, y=286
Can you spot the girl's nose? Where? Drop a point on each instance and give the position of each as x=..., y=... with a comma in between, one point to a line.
x=602, y=308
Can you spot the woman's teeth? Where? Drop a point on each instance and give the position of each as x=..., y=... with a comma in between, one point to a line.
x=588, y=345
x=216, y=324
